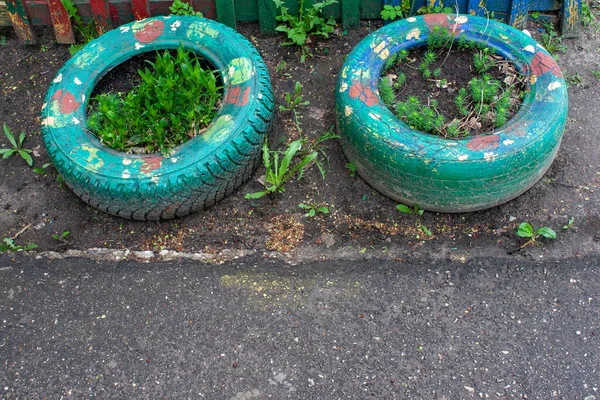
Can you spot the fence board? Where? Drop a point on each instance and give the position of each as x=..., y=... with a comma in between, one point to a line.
x=246, y=10
x=140, y=9
x=267, y=11
x=519, y=9
x=476, y=7
x=20, y=21
x=350, y=13
x=4, y=19
x=570, y=18
x=101, y=14
x=63, y=31
x=226, y=12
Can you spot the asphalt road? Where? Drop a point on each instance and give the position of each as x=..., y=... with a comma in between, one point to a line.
x=256, y=328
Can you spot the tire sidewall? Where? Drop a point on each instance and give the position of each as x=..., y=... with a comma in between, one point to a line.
x=64, y=113
x=400, y=161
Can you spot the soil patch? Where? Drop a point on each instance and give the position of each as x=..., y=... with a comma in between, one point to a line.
x=361, y=222
x=451, y=76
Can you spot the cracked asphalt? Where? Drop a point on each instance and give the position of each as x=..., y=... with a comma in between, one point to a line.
x=254, y=328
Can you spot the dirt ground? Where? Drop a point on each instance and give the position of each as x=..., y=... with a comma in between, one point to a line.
x=361, y=223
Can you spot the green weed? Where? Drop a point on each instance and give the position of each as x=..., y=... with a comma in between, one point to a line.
x=351, y=167
x=308, y=22
x=569, y=224
x=318, y=145
x=551, y=41
x=439, y=38
x=294, y=100
x=9, y=244
x=313, y=208
x=587, y=16
x=278, y=173
x=415, y=210
x=17, y=147
x=62, y=237
x=43, y=169
x=88, y=32
x=183, y=8
x=179, y=98
x=525, y=230
x=391, y=13
x=482, y=61
x=574, y=79
x=386, y=90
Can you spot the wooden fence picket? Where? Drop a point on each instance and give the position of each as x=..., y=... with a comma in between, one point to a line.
x=20, y=21
x=22, y=14
x=63, y=30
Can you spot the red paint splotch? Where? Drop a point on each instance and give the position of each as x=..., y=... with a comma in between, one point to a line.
x=433, y=20
x=542, y=63
x=150, y=31
x=480, y=143
x=364, y=93
x=66, y=101
x=238, y=96
x=151, y=163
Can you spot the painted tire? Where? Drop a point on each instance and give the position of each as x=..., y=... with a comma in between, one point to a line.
x=439, y=174
x=198, y=173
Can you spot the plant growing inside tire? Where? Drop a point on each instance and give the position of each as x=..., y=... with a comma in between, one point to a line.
x=450, y=171
x=179, y=99
x=193, y=175
x=456, y=89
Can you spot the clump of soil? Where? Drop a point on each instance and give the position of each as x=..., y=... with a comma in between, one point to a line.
x=452, y=87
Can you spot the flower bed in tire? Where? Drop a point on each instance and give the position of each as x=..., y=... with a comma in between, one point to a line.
x=197, y=173
x=442, y=174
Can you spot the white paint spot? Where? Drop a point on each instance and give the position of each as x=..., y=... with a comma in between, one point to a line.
x=124, y=29
x=58, y=78
x=384, y=54
x=508, y=142
x=411, y=19
x=48, y=121
x=138, y=46
x=463, y=157
x=525, y=31
x=173, y=159
x=529, y=48
x=44, y=106
x=83, y=97
x=260, y=96
x=77, y=81
x=375, y=116
x=414, y=34
x=347, y=111
x=461, y=19
x=155, y=179
x=75, y=121
x=451, y=144
x=126, y=174
x=489, y=156
x=343, y=87
x=554, y=85
x=175, y=25
x=379, y=48
x=127, y=161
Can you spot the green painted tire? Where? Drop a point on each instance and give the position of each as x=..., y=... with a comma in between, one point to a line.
x=198, y=173
x=439, y=174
